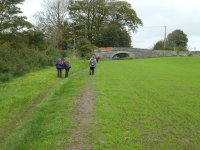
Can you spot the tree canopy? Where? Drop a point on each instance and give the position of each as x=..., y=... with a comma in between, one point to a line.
x=10, y=19
x=102, y=22
x=114, y=36
x=178, y=38
x=22, y=48
x=90, y=17
x=53, y=22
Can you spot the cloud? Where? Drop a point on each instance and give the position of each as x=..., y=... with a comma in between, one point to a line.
x=30, y=7
x=175, y=14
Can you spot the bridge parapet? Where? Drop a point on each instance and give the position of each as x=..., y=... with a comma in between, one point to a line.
x=128, y=49
x=143, y=53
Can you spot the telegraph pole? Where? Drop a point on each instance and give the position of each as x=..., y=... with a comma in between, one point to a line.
x=165, y=36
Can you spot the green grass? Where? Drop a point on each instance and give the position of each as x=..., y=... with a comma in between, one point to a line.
x=148, y=104
x=140, y=104
x=47, y=125
x=21, y=91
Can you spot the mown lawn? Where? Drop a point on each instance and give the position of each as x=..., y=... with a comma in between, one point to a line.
x=149, y=104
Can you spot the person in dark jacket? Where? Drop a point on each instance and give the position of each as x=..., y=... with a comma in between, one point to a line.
x=67, y=67
x=59, y=67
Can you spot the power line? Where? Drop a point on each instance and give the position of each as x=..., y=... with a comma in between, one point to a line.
x=152, y=26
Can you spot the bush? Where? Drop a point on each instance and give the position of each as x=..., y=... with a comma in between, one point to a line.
x=84, y=48
x=17, y=62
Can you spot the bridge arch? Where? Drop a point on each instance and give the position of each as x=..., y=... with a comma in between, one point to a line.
x=122, y=54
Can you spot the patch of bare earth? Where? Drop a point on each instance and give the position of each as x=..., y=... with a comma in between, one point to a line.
x=80, y=139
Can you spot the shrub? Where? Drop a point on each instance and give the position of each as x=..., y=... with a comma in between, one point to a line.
x=14, y=62
x=84, y=48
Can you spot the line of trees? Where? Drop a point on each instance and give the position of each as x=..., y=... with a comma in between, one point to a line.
x=22, y=47
x=60, y=26
x=101, y=22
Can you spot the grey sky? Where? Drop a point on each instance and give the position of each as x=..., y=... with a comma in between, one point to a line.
x=155, y=14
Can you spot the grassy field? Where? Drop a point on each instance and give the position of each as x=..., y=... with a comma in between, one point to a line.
x=36, y=109
x=148, y=104
x=144, y=104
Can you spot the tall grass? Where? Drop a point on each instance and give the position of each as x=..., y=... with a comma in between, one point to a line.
x=148, y=104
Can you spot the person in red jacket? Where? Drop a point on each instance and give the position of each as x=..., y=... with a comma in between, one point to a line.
x=97, y=58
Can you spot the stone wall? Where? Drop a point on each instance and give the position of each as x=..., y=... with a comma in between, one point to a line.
x=144, y=53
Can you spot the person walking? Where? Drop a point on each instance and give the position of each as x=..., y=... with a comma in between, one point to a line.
x=92, y=65
x=97, y=58
x=67, y=67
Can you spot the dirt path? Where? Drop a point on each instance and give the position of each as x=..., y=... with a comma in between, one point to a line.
x=80, y=139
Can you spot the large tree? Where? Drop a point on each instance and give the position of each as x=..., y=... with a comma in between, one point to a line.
x=178, y=38
x=91, y=16
x=54, y=23
x=11, y=22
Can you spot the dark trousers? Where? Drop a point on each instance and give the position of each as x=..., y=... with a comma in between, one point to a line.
x=66, y=73
x=59, y=72
x=92, y=70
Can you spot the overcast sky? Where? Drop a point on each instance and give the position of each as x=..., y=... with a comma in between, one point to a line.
x=155, y=14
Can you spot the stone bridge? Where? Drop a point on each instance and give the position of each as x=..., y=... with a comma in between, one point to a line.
x=116, y=52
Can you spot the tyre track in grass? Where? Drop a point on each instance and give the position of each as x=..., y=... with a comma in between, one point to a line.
x=10, y=127
x=80, y=135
